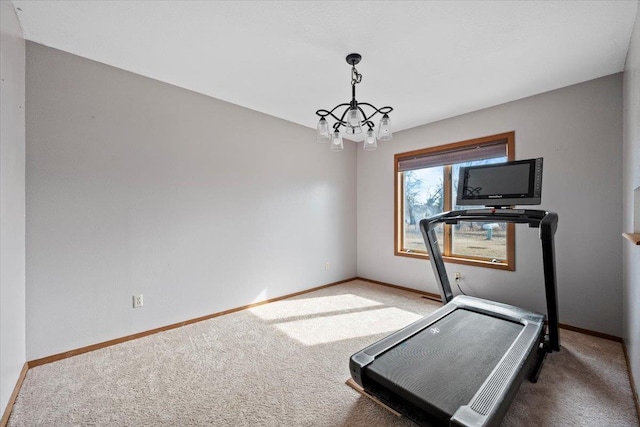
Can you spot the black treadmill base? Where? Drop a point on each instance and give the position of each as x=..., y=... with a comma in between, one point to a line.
x=461, y=349
x=407, y=409
x=413, y=370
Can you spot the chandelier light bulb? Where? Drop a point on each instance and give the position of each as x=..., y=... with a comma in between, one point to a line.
x=336, y=141
x=353, y=121
x=323, y=135
x=370, y=143
x=384, y=129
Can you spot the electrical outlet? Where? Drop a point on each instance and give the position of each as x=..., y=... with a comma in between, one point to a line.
x=326, y=265
x=137, y=301
x=458, y=276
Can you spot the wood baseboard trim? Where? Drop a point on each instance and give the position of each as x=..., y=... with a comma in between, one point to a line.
x=590, y=332
x=75, y=352
x=427, y=295
x=632, y=383
x=7, y=412
x=436, y=297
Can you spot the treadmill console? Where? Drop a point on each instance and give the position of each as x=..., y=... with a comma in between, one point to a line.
x=501, y=184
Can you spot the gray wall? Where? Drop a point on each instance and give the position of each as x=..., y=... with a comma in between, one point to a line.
x=12, y=203
x=631, y=181
x=578, y=131
x=135, y=186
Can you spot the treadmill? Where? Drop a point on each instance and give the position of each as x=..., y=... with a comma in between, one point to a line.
x=463, y=364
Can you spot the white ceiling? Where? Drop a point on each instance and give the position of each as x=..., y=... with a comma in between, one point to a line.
x=429, y=60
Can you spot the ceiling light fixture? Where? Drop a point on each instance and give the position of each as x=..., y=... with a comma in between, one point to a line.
x=354, y=118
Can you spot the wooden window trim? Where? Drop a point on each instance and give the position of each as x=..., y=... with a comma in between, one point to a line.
x=398, y=227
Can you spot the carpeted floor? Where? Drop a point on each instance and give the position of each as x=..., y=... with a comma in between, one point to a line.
x=285, y=364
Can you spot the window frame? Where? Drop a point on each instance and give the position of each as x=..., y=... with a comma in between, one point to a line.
x=510, y=263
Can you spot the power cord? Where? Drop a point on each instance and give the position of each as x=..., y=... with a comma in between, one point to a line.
x=458, y=284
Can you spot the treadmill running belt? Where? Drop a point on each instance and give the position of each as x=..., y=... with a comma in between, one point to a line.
x=441, y=368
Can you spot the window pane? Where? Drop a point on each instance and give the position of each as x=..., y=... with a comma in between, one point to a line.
x=476, y=239
x=423, y=197
x=480, y=240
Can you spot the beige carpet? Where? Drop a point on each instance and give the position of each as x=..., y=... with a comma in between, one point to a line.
x=285, y=364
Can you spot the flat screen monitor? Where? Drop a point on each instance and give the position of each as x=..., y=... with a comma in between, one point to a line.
x=501, y=184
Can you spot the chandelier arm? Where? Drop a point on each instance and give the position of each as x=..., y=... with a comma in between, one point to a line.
x=365, y=119
x=325, y=113
x=341, y=121
x=383, y=110
x=369, y=123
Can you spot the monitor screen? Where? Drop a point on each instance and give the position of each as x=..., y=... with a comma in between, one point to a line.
x=501, y=184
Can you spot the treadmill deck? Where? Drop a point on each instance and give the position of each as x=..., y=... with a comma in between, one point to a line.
x=442, y=367
x=460, y=365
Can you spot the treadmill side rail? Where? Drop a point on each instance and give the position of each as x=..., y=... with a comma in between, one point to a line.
x=489, y=405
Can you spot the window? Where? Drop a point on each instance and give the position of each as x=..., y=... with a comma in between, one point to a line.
x=426, y=184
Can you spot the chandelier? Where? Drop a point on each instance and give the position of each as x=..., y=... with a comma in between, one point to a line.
x=353, y=117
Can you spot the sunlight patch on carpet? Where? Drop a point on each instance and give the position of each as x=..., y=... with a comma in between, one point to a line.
x=281, y=310
x=327, y=329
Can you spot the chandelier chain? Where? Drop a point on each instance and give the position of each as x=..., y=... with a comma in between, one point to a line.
x=356, y=77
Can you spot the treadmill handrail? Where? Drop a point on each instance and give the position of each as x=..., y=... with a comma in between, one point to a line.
x=533, y=217
x=546, y=221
